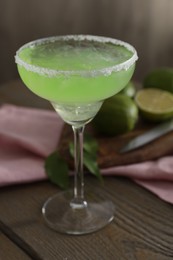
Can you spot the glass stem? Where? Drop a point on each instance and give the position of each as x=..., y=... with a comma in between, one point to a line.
x=78, y=201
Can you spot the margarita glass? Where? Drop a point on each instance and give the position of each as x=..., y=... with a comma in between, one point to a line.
x=76, y=73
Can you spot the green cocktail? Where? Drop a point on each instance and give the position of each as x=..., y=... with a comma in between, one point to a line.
x=83, y=70
x=76, y=73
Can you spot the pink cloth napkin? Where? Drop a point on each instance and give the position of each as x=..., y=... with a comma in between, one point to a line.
x=28, y=135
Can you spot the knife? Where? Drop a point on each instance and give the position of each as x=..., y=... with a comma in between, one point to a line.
x=148, y=136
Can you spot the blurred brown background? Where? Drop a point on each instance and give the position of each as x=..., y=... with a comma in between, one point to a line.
x=148, y=25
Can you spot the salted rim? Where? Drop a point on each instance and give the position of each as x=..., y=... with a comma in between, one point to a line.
x=86, y=73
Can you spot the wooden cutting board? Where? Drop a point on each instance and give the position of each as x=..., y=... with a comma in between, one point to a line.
x=108, y=153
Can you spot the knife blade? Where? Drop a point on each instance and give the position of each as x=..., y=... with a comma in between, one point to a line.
x=148, y=136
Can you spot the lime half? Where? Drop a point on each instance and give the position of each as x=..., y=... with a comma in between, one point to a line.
x=155, y=105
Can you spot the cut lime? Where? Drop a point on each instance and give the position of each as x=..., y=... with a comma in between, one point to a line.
x=117, y=115
x=155, y=104
x=161, y=78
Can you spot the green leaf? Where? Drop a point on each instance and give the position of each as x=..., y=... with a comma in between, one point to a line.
x=90, y=163
x=57, y=170
x=71, y=148
x=89, y=156
x=90, y=145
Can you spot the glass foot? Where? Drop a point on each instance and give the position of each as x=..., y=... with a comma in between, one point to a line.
x=61, y=215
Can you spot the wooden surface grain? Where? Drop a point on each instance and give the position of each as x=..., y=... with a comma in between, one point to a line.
x=142, y=228
x=9, y=250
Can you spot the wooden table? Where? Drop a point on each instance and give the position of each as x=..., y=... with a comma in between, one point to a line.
x=142, y=228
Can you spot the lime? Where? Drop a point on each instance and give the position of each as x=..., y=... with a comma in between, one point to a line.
x=161, y=78
x=117, y=115
x=129, y=89
x=155, y=104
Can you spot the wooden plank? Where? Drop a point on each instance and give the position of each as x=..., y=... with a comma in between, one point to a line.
x=10, y=251
x=142, y=226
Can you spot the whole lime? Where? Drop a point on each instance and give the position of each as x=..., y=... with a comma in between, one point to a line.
x=117, y=115
x=129, y=89
x=161, y=78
